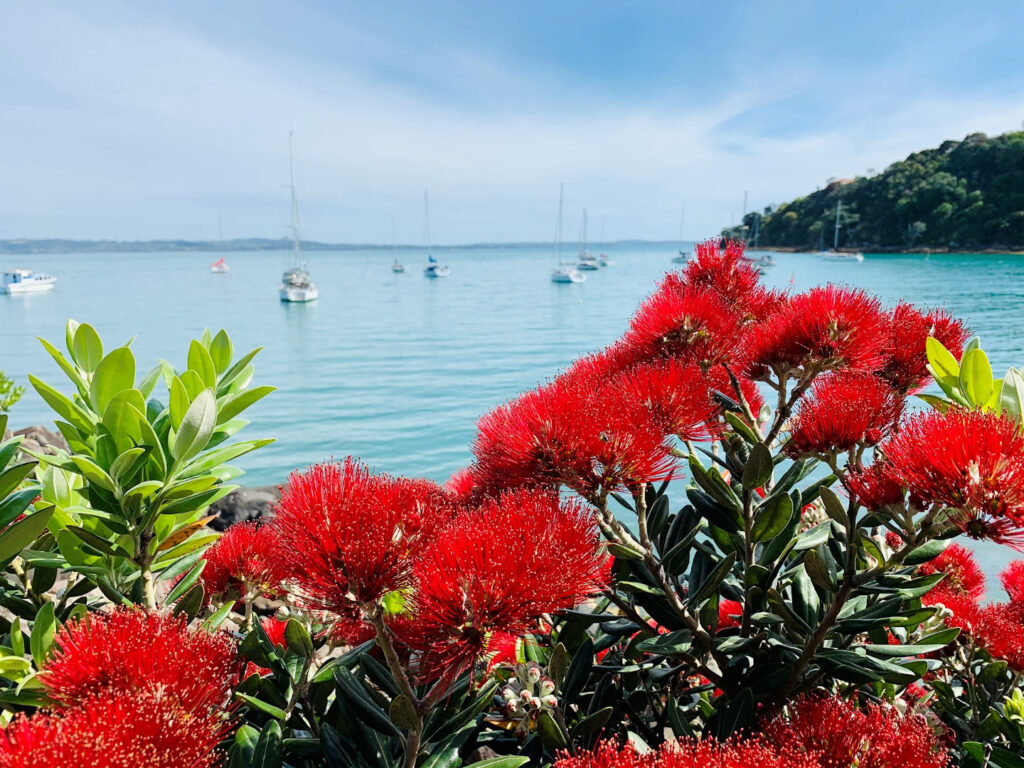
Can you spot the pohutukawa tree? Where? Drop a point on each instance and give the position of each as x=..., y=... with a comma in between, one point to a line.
x=801, y=603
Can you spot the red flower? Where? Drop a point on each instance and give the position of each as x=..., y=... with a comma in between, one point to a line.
x=116, y=730
x=1012, y=579
x=498, y=569
x=580, y=431
x=735, y=281
x=275, y=628
x=836, y=733
x=690, y=753
x=677, y=396
x=876, y=486
x=904, y=361
x=963, y=575
x=348, y=537
x=242, y=560
x=843, y=410
x=968, y=461
x=685, y=322
x=729, y=613
x=462, y=486
x=823, y=328
x=130, y=650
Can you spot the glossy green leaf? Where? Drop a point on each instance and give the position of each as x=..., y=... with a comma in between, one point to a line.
x=976, y=377
x=758, y=469
x=44, y=630
x=196, y=427
x=199, y=360
x=115, y=373
x=87, y=348
x=17, y=536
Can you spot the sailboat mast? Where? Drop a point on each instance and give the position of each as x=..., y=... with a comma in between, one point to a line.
x=682, y=220
x=558, y=229
x=426, y=220
x=296, y=247
x=835, y=242
x=584, y=230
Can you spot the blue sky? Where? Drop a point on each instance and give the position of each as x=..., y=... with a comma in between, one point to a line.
x=143, y=120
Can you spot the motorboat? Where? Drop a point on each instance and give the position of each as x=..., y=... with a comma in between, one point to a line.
x=296, y=283
x=841, y=256
x=297, y=286
x=219, y=266
x=26, y=281
x=434, y=270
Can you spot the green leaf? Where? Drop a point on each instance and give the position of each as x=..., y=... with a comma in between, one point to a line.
x=558, y=664
x=551, y=733
x=197, y=426
x=19, y=535
x=16, y=503
x=667, y=645
x=262, y=706
x=403, y=713
x=772, y=520
x=191, y=602
x=515, y=761
x=60, y=403
x=834, y=506
x=127, y=462
x=814, y=536
x=69, y=370
x=941, y=360
x=976, y=377
x=241, y=401
x=758, y=469
x=115, y=374
x=297, y=637
x=178, y=403
x=87, y=348
x=269, y=752
x=186, y=582
x=1011, y=398
x=221, y=351
x=714, y=580
x=237, y=368
x=44, y=630
x=92, y=472
x=927, y=551
x=199, y=360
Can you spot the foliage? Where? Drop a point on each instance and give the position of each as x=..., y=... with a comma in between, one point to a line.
x=9, y=393
x=962, y=194
x=801, y=605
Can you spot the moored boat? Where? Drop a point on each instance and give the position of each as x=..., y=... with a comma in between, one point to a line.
x=296, y=283
x=26, y=281
x=219, y=266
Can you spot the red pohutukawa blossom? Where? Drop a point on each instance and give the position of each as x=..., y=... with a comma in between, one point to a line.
x=116, y=730
x=684, y=322
x=580, y=431
x=962, y=576
x=1012, y=579
x=729, y=613
x=826, y=327
x=242, y=562
x=677, y=397
x=904, y=361
x=275, y=628
x=498, y=569
x=690, y=753
x=130, y=650
x=348, y=537
x=968, y=461
x=836, y=733
x=876, y=486
x=844, y=410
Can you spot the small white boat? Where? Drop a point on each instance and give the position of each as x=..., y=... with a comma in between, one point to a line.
x=586, y=260
x=297, y=286
x=219, y=266
x=567, y=274
x=397, y=268
x=835, y=254
x=682, y=258
x=433, y=269
x=296, y=283
x=26, y=281
x=840, y=256
x=605, y=261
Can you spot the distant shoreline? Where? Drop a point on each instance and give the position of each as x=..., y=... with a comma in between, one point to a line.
x=43, y=246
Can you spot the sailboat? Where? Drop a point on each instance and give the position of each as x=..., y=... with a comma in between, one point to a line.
x=834, y=254
x=683, y=256
x=563, y=273
x=397, y=267
x=296, y=283
x=434, y=269
x=587, y=260
x=219, y=266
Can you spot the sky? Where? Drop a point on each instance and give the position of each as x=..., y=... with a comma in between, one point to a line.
x=152, y=120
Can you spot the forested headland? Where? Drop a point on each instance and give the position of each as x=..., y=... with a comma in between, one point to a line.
x=962, y=195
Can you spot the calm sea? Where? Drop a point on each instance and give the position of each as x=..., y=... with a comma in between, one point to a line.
x=395, y=369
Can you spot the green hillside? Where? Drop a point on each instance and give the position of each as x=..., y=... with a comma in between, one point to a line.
x=961, y=195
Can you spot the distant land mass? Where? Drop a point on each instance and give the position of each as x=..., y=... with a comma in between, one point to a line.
x=960, y=196
x=244, y=244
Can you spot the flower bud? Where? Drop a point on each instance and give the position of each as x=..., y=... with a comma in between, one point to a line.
x=547, y=686
x=549, y=701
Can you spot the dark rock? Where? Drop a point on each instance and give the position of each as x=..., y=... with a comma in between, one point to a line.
x=482, y=753
x=244, y=504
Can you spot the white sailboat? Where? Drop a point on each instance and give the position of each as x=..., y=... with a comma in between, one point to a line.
x=835, y=254
x=683, y=256
x=397, y=267
x=603, y=258
x=220, y=266
x=296, y=283
x=586, y=260
x=434, y=269
x=563, y=273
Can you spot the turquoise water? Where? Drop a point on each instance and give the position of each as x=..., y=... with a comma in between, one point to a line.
x=396, y=368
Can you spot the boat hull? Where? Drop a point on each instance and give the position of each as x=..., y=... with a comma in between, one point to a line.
x=435, y=272
x=298, y=295
x=567, y=276
x=219, y=270
x=849, y=257
x=40, y=287
x=588, y=266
